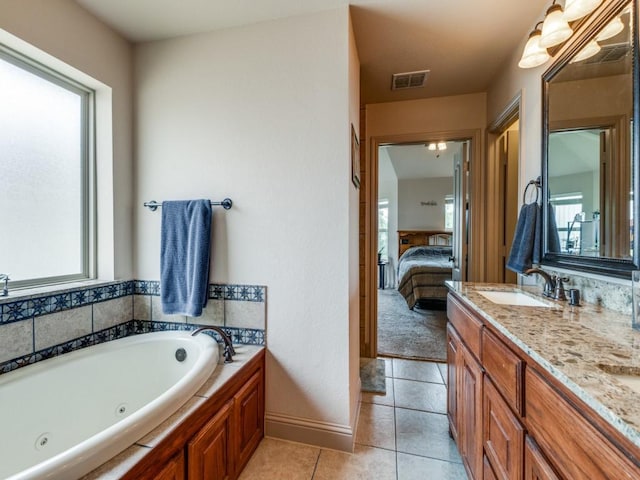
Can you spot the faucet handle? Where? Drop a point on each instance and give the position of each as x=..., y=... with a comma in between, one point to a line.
x=560, y=293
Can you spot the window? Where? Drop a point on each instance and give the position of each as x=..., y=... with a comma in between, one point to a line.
x=46, y=125
x=567, y=209
x=383, y=227
x=448, y=212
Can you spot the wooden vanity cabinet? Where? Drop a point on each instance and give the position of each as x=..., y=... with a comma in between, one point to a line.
x=531, y=426
x=464, y=404
x=249, y=422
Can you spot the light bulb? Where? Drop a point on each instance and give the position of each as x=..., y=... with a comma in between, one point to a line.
x=533, y=55
x=432, y=146
x=442, y=146
x=613, y=28
x=589, y=50
x=575, y=9
x=555, y=28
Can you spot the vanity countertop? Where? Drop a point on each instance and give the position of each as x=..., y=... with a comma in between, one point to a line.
x=574, y=344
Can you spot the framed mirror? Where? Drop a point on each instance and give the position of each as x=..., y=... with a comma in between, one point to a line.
x=590, y=147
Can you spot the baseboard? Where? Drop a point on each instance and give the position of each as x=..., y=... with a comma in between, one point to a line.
x=320, y=434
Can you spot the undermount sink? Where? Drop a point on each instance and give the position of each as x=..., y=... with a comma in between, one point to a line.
x=629, y=377
x=513, y=298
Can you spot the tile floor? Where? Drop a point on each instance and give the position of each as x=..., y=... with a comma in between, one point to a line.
x=403, y=435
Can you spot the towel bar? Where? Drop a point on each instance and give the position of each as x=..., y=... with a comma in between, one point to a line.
x=226, y=204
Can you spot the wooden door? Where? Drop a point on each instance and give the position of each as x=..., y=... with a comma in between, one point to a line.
x=209, y=454
x=509, y=201
x=249, y=421
x=453, y=367
x=173, y=470
x=470, y=407
x=460, y=213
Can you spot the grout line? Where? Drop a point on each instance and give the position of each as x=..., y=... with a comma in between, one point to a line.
x=315, y=467
x=432, y=458
x=421, y=411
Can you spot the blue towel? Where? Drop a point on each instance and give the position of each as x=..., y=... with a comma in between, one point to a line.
x=525, y=249
x=553, y=239
x=184, y=256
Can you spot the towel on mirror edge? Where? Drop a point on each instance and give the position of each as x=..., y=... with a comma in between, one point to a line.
x=526, y=247
x=185, y=244
x=553, y=239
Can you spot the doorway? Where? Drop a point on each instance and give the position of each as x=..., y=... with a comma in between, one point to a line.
x=503, y=173
x=422, y=238
x=474, y=259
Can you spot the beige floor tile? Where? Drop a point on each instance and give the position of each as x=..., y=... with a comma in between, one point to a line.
x=429, y=397
x=443, y=371
x=411, y=467
x=366, y=463
x=376, y=426
x=278, y=460
x=425, y=434
x=414, y=370
x=386, y=399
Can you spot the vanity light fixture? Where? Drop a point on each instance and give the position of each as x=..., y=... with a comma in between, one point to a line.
x=432, y=147
x=575, y=9
x=555, y=28
x=437, y=146
x=613, y=28
x=533, y=55
x=589, y=50
x=442, y=146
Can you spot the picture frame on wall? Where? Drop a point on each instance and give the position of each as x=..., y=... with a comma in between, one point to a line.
x=355, y=158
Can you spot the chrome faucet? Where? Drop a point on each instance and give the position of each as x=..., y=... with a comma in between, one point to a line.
x=549, y=281
x=229, y=351
x=5, y=290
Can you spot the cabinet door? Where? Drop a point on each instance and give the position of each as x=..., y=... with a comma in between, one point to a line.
x=470, y=407
x=453, y=367
x=208, y=452
x=536, y=466
x=488, y=471
x=249, y=421
x=174, y=470
x=503, y=435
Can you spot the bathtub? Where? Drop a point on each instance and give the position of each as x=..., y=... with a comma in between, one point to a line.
x=63, y=417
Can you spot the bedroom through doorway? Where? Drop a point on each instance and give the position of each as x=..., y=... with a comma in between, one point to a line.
x=421, y=243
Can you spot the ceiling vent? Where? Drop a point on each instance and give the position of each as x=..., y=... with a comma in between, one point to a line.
x=402, y=81
x=609, y=53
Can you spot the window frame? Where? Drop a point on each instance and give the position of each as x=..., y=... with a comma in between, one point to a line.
x=87, y=167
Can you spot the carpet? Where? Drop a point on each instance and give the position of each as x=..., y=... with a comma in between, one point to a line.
x=415, y=334
x=372, y=375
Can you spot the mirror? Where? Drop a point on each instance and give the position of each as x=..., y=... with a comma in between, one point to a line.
x=589, y=161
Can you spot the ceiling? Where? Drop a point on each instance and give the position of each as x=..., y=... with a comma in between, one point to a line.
x=462, y=42
x=417, y=161
x=574, y=152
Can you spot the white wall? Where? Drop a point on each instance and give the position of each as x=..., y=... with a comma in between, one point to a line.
x=411, y=192
x=64, y=32
x=262, y=114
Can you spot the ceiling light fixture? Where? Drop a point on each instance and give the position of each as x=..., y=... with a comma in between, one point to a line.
x=575, y=9
x=432, y=146
x=442, y=146
x=589, y=50
x=555, y=28
x=613, y=28
x=533, y=55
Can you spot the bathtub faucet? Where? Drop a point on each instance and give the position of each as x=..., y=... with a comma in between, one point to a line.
x=228, y=345
x=5, y=290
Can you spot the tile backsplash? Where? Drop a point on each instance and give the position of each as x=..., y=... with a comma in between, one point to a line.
x=36, y=327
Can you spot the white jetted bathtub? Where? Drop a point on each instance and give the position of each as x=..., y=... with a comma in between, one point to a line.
x=63, y=417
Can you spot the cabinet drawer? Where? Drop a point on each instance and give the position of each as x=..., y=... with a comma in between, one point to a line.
x=505, y=369
x=468, y=327
x=573, y=446
x=503, y=435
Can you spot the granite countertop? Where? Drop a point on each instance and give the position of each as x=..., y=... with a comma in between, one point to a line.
x=577, y=345
x=123, y=462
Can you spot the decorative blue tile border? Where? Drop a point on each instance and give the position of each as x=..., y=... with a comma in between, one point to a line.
x=245, y=336
x=245, y=293
x=14, y=311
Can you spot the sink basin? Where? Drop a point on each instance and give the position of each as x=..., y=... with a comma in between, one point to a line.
x=627, y=376
x=513, y=298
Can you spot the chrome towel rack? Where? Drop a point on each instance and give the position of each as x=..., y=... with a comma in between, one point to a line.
x=226, y=204
x=538, y=186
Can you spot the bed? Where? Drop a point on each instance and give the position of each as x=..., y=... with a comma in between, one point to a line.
x=423, y=269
